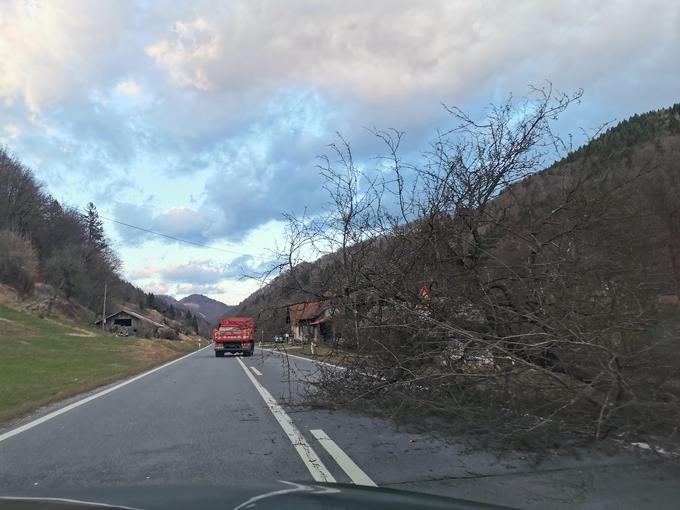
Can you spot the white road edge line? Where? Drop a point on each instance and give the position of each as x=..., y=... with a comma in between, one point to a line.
x=284, y=354
x=356, y=474
x=65, y=409
x=256, y=371
x=309, y=457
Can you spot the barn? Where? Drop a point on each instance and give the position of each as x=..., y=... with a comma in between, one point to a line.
x=131, y=322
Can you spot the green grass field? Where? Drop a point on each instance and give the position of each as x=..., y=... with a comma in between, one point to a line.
x=42, y=361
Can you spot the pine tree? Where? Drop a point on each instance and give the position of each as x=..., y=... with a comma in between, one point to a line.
x=194, y=324
x=674, y=125
x=96, y=240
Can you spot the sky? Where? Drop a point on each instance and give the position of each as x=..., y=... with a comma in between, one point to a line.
x=204, y=120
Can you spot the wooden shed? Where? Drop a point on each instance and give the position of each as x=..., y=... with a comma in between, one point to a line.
x=131, y=322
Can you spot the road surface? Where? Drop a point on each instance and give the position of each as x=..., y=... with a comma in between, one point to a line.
x=212, y=420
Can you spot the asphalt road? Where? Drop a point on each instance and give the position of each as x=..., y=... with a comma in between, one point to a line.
x=208, y=420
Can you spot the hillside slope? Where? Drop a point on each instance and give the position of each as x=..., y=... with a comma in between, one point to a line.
x=640, y=154
x=560, y=285
x=52, y=254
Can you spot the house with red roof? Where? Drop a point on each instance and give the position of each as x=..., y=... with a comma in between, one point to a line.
x=311, y=321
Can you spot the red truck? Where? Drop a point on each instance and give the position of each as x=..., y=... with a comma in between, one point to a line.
x=236, y=334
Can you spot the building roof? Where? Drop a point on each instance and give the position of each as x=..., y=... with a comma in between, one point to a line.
x=306, y=311
x=132, y=314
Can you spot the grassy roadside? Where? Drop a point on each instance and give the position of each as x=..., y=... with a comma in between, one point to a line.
x=43, y=361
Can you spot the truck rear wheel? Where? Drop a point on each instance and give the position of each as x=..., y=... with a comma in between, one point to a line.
x=247, y=353
x=219, y=354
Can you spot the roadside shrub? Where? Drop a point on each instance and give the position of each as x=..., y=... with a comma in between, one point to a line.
x=18, y=262
x=66, y=272
x=167, y=334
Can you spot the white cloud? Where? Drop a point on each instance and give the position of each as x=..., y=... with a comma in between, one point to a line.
x=12, y=130
x=156, y=288
x=384, y=50
x=199, y=272
x=203, y=119
x=143, y=272
x=129, y=88
x=190, y=288
x=377, y=51
x=194, y=46
x=180, y=222
x=9, y=133
x=50, y=51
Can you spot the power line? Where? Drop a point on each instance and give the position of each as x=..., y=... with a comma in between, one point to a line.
x=173, y=238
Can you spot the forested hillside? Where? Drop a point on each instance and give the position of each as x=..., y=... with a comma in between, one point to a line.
x=65, y=249
x=42, y=240
x=640, y=152
x=554, y=292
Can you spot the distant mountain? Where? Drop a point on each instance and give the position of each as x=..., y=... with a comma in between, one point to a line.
x=169, y=300
x=202, y=306
x=210, y=309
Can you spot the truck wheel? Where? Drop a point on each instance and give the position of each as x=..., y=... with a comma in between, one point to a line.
x=247, y=353
x=219, y=354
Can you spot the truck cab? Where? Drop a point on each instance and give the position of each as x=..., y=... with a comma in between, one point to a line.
x=234, y=335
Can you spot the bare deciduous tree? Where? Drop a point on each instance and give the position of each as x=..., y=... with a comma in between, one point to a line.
x=538, y=315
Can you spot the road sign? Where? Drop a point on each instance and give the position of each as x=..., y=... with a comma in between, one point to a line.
x=424, y=296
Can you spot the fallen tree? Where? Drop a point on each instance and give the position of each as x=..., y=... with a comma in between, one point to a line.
x=540, y=314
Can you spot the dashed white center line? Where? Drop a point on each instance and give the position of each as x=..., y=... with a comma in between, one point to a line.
x=256, y=371
x=307, y=454
x=356, y=474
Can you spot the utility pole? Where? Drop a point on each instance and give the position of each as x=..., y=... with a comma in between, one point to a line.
x=104, y=309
